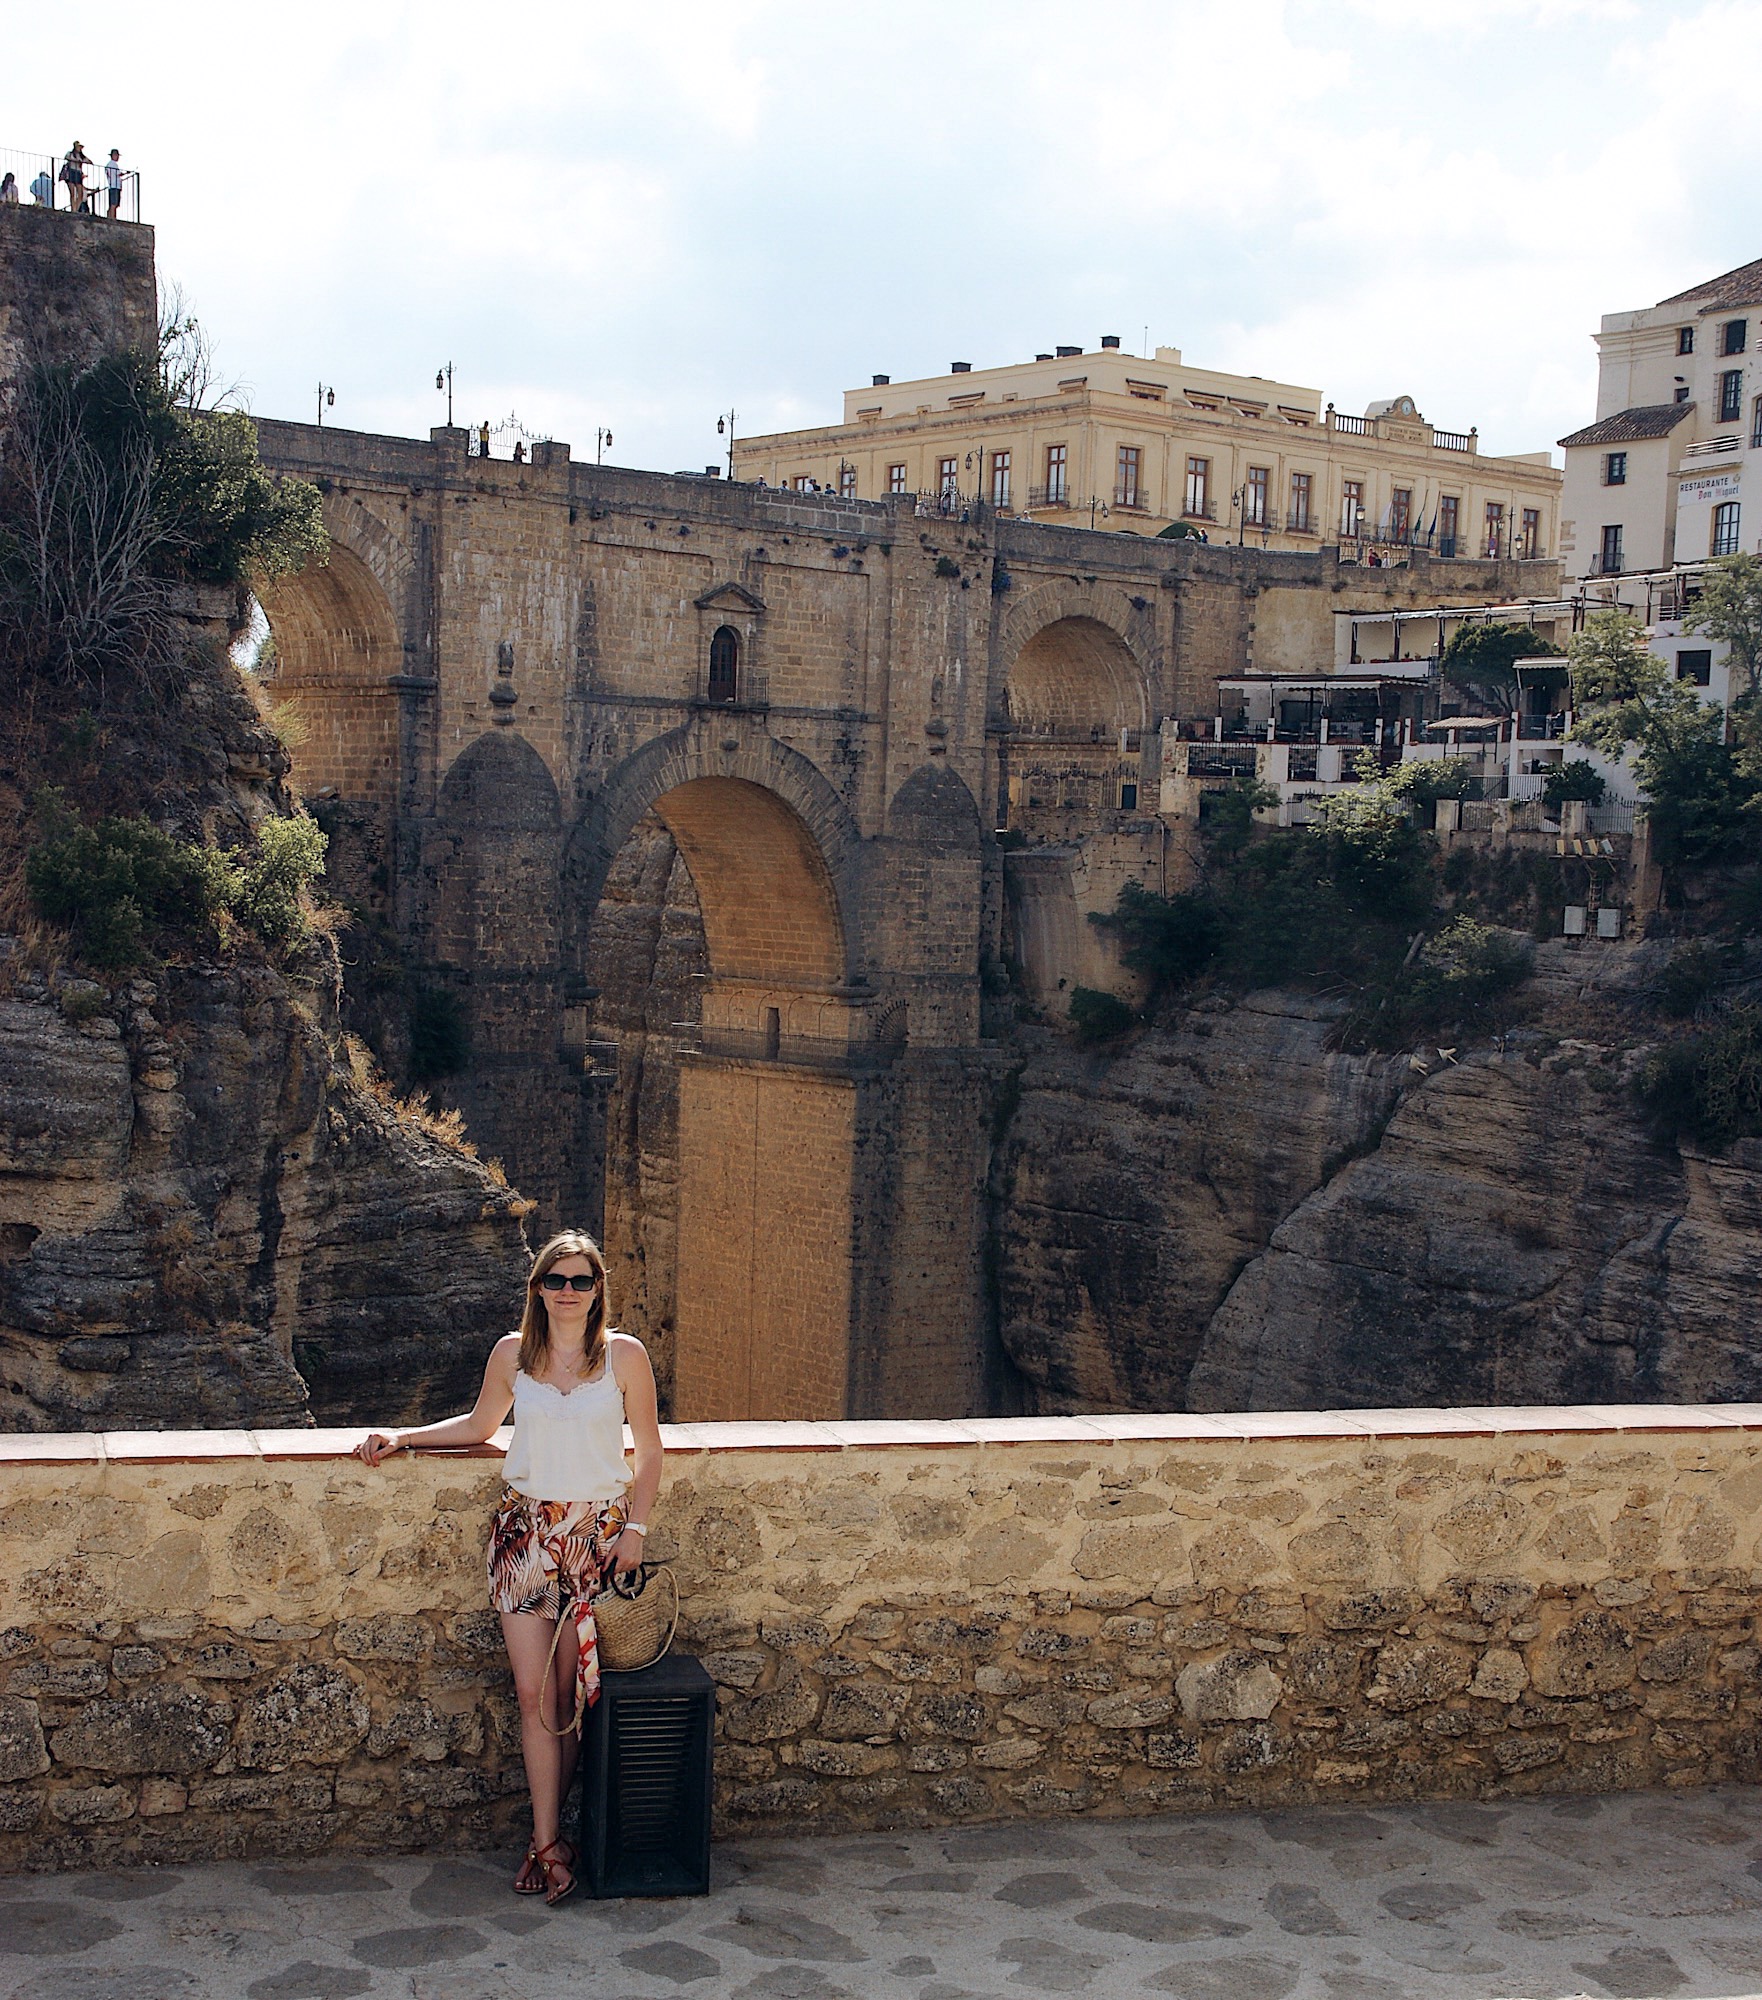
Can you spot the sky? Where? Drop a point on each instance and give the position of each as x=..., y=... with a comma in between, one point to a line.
x=641, y=217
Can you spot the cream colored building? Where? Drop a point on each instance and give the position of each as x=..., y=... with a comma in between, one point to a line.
x=1113, y=440
x=1661, y=476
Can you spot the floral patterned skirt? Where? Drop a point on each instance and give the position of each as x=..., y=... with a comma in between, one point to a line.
x=552, y=1558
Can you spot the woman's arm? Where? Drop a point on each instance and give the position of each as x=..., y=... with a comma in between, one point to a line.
x=630, y=1364
x=494, y=1400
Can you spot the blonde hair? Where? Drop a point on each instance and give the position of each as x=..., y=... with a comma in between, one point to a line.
x=535, y=1321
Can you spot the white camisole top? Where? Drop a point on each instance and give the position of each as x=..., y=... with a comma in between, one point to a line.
x=568, y=1446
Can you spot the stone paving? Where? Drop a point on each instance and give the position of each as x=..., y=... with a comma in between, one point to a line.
x=1641, y=1895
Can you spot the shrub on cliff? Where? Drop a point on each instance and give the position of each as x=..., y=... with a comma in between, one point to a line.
x=271, y=898
x=1098, y=1017
x=1709, y=1087
x=112, y=495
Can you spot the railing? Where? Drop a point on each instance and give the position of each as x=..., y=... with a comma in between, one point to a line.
x=1049, y=496
x=946, y=503
x=1205, y=511
x=1543, y=728
x=1711, y=447
x=1351, y=426
x=1613, y=816
x=1455, y=440
x=1131, y=498
x=27, y=168
x=1221, y=760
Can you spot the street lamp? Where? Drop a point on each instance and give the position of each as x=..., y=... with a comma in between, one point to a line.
x=602, y=443
x=725, y=428
x=443, y=379
x=326, y=396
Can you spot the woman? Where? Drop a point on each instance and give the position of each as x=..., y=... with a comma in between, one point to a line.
x=9, y=191
x=570, y=1517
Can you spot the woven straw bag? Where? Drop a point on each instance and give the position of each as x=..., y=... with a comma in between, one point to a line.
x=637, y=1617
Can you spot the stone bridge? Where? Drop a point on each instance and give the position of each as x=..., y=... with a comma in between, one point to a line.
x=512, y=676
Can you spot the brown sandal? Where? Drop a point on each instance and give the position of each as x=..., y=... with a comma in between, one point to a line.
x=529, y=1879
x=549, y=1858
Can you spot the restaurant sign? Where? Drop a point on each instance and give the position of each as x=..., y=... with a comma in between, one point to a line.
x=1707, y=489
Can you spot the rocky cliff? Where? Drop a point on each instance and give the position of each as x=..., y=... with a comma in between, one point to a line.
x=1227, y=1216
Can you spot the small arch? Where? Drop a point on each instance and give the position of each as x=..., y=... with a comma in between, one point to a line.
x=500, y=782
x=1078, y=702
x=724, y=664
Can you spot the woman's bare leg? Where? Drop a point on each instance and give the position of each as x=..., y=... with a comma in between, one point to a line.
x=550, y=1760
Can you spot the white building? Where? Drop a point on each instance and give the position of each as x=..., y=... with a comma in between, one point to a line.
x=1660, y=477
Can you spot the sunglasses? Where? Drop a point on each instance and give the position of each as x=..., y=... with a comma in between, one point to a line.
x=576, y=1281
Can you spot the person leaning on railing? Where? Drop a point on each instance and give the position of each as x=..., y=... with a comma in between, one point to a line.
x=571, y=1515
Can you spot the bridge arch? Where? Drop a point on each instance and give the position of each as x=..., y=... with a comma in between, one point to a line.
x=1078, y=706
x=761, y=1133
x=339, y=644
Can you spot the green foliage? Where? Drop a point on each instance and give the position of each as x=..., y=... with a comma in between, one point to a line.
x=1700, y=795
x=440, y=1038
x=1696, y=972
x=122, y=882
x=1461, y=981
x=1480, y=661
x=1576, y=778
x=947, y=566
x=1424, y=781
x=1098, y=1017
x=1730, y=608
x=289, y=856
x=1709, y=1088
x=1171, y=939
x=1227, y=815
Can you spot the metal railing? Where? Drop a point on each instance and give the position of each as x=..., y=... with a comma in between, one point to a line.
x=31, y=169
x=1049, y=496
x=1205, y=511
x=1131, y=497
x=1351, y=426
x=1454, y=440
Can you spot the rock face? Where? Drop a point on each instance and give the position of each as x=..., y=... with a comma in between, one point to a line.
x=204, y=1221
x=1516, y=1238
x=1129, y=1193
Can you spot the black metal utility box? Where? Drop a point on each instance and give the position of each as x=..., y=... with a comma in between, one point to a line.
x=645, y=1782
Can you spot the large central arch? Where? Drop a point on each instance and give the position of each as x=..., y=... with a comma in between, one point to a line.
x=767, y=1106
x=1078, y=714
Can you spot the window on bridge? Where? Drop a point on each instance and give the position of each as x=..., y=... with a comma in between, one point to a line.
x=1077, y=707
x=725, y=664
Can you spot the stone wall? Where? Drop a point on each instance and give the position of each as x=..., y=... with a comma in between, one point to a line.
x=73, y=287
x=231, y=1643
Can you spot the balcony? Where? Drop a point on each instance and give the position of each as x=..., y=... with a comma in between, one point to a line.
x=1048, y=496
x=1131, y=499
x=1200, y=510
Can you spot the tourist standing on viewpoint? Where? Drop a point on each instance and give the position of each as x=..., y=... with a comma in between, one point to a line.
x=571, y=1516
x=113, y=181
x=43, y=190
x=9, y=191
x=73, y=173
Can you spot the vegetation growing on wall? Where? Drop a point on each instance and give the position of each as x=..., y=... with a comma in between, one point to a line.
x=1479, y=662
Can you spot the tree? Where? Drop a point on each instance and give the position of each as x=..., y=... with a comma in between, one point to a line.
x=1730, y=609
x=1479, y=661
x=1628, y=702
x=1577, y=778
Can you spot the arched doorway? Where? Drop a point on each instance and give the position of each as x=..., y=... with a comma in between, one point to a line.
x=717, y=954
x=1078, y=712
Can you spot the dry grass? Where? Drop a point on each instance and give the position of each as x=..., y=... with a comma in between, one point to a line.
x=416, y=1112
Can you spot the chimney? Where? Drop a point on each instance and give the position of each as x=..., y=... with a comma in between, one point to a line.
x=1043, y=357
x=879, y=381
x=1110, y=340
x=1065, y=353
x=960, y=368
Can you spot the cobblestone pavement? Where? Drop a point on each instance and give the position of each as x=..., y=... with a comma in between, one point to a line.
x=1648, y=1894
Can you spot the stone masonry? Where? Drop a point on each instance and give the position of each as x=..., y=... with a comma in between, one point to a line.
x=230, y=1644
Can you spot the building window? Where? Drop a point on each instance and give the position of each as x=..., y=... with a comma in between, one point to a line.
x=1756, y=425
x=1449, y=508
x=1000, y=479
x=847, y=482
x=1615, y=468
x=1495, y=542
x=1401, y=514
x=1300, y=499
x=1530, y=546
x=1197, y=500
x=1725, y=529
x=1696, y=666
x=1682, y=394
x=1126, y=491
x=1609, y=563
x=1685, y=340
x=724, y=663
x=1351, y=507
x=1128, y=795
x=896, y=479
x=1055, y=475
x=1254, y=495
x=948, y=477
x=1737, y=335
x=1731, y=395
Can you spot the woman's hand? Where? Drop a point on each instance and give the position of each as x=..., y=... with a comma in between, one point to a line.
x=627, y=1555
x=376, y=1445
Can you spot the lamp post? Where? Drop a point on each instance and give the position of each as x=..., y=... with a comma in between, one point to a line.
x=443, y=379
x=725, y=428
x=602, y=443
x=326, y=395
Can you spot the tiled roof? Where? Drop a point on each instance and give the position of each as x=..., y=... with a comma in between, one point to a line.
x=1650, y=420
x=1742, y=287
